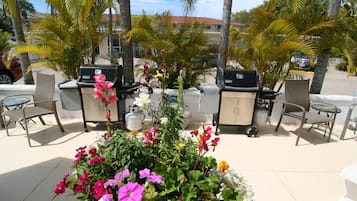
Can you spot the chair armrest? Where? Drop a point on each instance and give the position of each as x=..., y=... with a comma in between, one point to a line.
x=52, y=102
x=291, y=104
x=42, y=101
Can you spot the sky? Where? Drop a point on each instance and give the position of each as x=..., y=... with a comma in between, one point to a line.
x=203, y=8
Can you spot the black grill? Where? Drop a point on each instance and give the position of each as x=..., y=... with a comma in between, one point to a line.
x=238, y=80
x=92, y=109
x=238, y=92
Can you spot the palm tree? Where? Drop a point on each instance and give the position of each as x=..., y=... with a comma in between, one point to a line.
x=181, y=44
x=14, y=9
x=125, y=22
x=63, y=40
x=323, y=57
x=224, y=39
x=268, y=42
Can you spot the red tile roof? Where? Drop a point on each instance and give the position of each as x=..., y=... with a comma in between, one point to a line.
x=176, y=19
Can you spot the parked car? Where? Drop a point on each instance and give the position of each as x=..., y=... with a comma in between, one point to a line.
x=209, y=60
x=11, y=75
x=303, y=61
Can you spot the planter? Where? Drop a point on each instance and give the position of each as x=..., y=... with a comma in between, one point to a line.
x=187, y=116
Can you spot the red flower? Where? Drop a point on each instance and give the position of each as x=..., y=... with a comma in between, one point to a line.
x=150, y=137
x=62, y=185
x=215, y=141
x=79, y=188
x=96, y=159
x=81, y=154
x=99, y=189
x=60, y=188
x=194, y=133
x=93, y=151
x=84, y=177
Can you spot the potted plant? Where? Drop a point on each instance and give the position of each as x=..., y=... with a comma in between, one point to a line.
x=161, y=163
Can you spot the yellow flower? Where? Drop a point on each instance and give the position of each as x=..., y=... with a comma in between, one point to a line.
x=223, y=166
x=134, y=133
x=159, y=75
x=181, y=145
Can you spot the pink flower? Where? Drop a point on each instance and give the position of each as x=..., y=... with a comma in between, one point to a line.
x=96, y=159
x=131, y=192
x=117, y=178
x=112, y=98
x=99, y=77
x=102, y=89
x=144, y=173
x=151, y=176
x=107, y=197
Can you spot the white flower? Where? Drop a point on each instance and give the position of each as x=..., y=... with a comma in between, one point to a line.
x=143, y=100
x=164, y=120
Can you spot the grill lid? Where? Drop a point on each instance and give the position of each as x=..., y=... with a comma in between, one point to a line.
x=238, y=79
x=87, y=72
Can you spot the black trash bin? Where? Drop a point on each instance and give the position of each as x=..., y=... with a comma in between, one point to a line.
x=238, y=93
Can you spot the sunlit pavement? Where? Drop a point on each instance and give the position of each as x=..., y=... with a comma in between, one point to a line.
x=275, y=168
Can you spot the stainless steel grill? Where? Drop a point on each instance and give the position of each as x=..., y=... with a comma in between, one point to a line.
x=92, y=109
x=238, y=92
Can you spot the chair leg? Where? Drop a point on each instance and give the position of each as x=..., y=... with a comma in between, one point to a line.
x=330, y=128
x=6, y=126
x=58, y=122
x=42, y=121
x=27, y=132
x=277, y=126
x=297, y=139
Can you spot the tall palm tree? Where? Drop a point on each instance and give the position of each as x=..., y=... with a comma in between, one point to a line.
x=224, y=38
x=14, y=9
x=125, y=22
x=63, y=40
x=323, y=57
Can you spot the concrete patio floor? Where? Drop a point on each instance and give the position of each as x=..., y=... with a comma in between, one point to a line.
x=276, y=169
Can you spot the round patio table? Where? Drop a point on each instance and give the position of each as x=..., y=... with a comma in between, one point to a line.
x=328, y=109
x=15, y=102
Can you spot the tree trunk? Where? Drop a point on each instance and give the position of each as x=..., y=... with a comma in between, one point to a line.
x=323, y=57
x=334, y=7
x=20, y=39
x=110, y=35
x=127, y=54
x=223, y=45
x=320, y=72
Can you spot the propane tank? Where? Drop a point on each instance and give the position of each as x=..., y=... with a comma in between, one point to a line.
x=133, y=118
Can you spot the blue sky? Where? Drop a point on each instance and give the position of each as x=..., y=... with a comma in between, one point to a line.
x=204, y=8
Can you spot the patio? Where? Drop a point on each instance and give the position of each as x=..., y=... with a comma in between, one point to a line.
x=276, y=169
x=271, y=164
